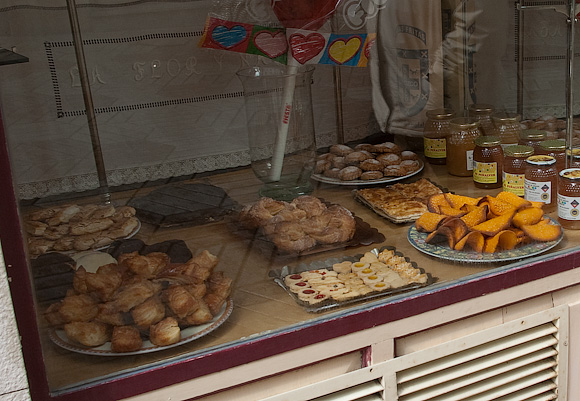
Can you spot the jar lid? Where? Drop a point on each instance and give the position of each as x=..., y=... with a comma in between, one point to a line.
x=575, y=152
x=440, y=114
x=487, y=141
x=481, y=108
x=541, y=160
x=464, y=122
x=505, y=117
x=553, y=144
x=571, y=173
x=518, y=151
x=533, y=135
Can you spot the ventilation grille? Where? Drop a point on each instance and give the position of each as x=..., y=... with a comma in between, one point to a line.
x=369, y=391
x=523, y=360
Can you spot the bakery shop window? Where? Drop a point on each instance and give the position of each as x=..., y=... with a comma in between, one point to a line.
x=178, y=255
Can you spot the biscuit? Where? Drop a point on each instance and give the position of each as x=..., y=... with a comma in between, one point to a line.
x=371, y=165
x=350, y=173
x=389, y=159
x=340, y=150
x=371, y=175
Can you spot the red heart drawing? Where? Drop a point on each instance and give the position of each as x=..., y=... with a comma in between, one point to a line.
x=305, y=48
x=273, y=44
x=304, y=14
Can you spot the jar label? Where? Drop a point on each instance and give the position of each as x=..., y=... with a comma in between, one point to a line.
x=514, y=183
x=435, y=148
x=538, y=191
x=568, y=207
x=469, y=158
x=485, y=173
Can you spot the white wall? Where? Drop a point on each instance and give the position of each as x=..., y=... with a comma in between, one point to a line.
x=14, y=384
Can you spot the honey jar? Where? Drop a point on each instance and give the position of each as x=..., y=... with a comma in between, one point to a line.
x=482, y=113
x=514, y=168
x=541, y=181
x=569, y=198
x=435, y=134
x=507, y=128
x=555, y=148
x=532, y=137
x=487, y=162
x=573, y=162
x=463, y=131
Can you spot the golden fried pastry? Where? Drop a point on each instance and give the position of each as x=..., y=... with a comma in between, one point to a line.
x=219, y=284
x=34, y=227
x=349, y=173
x=38, y=245
x=256, y=214
x=201, y=316
x=147, y=266
x=179, y=301
x=149, y=312
x=102, y=212
x=214, y=303
x=78, y=308
x=64, y=244
x=309, y=204
x=197, y=290
x=52, y=315
x=290, y=237
x=104, y=283
x=63, y=215
x=126, y=339
x=371, y=175
x=111, y=317
x=131, y=295
x=84, y=213
x=166, y=332
x=122, y=213
x=340, y=150
x=90, y=334
x=90, y=226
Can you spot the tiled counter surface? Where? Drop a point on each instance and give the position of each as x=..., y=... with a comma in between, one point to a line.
x=261, y=307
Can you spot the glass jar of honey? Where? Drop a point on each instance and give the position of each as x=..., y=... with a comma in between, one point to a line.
x=507, y=128
x=573, y=162
x=482, y=113
x=532, y=137
x=514, y=168
x=435, y=134
x=487, y=162
x=541, y=181
x=569, y=198
x=555, y=148
x=463, y=131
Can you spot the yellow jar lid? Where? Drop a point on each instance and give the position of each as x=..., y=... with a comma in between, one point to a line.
x=518, y=151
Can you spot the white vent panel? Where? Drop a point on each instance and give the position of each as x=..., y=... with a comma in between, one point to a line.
x=369, y=391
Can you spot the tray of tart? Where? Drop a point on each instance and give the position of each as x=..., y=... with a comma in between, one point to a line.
x=366, y=164
x=304, y=226
x=139, y=302
x=399, y=203
x=74, y=228
x=337, y=282
x=498, y=228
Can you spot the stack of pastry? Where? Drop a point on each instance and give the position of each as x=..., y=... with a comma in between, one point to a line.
x=140, y=297
x=299, y=225
x=78, y=227
x=366, y=162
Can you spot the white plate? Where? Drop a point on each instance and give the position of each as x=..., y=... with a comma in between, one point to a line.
x=384, y=180
x=188, y=334
x=417, y=239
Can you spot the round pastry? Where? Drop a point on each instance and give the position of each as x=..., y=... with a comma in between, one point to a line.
x=394, y=171
x=372, y=279
x=340, y=150
x=389, y=159
x=318, y=298
x=371, y=175
x=380, y=286
x=349, y=173
x=354, y=158
x=365, y=146
x=299, y=286
x=307, y=294
x=366, y=272
x=359, y=266
x=338, y=162
x=408, y=155
x=332, y=173
x=387, y=147
x=410, y=165
x=321, y=166
x=342, y=267
x=310, y=204
x=371, y=165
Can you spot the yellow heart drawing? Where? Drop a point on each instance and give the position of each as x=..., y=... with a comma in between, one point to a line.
x=340, y=52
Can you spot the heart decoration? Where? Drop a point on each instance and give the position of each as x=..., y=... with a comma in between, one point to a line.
x=272, y=44
x=228, y=37
x=305, y=48
x=340, y=51
x=304, y=14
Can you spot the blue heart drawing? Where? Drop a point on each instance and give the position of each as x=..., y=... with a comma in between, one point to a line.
x=228, y=38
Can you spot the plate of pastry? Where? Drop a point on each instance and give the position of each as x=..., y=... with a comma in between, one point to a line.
x=366, y=164
x=189, y=334
x=140, y=304
x=75, y=228
x=335, y=282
